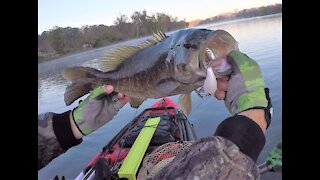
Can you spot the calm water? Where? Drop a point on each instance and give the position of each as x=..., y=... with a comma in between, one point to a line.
x=260, y=38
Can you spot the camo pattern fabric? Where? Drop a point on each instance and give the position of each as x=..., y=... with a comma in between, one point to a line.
x=48, y=145
x=210, y=158
x=246, y=85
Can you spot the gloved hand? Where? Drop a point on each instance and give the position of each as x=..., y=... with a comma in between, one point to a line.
x=246, y=85
x=245, y=88
x=98, y=108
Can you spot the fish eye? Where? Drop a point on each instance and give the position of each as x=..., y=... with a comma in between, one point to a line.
x=189, y=45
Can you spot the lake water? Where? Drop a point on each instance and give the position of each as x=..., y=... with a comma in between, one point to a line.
x=260, y=38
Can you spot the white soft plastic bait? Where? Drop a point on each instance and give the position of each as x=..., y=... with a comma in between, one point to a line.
x=210, y=84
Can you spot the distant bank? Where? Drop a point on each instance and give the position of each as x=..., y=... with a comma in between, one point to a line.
x=245, y=13
x=61, y=42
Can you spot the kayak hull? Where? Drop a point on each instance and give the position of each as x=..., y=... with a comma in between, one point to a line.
x=174, y=126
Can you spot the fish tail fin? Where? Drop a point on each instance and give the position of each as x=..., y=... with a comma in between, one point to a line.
x=185, y=103
x=82, y=82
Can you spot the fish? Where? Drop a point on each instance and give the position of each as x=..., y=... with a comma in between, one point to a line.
x=159, y=67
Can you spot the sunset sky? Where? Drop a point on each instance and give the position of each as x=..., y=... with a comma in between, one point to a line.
x=76, y=13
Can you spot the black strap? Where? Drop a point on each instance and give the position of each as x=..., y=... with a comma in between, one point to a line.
x=243, y=132
x=269, y=109
x=62, y=129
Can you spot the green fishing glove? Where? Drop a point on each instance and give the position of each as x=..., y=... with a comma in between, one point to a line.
x=96, y=110
x=246, y=89
x=275, y=158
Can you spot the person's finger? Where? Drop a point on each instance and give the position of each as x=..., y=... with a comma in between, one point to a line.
x=220, y=95
x=120, y=95
x=124, y=100
x=222, y=84
x=109, y=89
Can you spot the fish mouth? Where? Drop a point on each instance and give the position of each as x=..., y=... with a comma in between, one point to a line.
x=218, y=44
x=204, y=61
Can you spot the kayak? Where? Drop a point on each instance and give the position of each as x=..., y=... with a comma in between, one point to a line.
x=121, y=157
x=162, y=123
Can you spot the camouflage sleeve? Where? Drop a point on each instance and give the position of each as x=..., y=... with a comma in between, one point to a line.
x=210, y=158
x=55, y=136
x=48, y=145
x=230, y=154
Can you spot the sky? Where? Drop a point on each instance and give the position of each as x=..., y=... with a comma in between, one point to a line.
x=76, y=13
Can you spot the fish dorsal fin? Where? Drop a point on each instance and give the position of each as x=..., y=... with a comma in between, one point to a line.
x=113, y=59
x=159, y=36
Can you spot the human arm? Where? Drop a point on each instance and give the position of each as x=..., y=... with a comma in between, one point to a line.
x=233, y=150
x=59, y=132
x=247, y=100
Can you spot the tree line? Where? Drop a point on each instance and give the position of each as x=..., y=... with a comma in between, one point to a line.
x=245, y=13
x=63, y=40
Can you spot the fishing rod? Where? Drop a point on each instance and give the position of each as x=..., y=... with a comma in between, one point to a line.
x=274, y=160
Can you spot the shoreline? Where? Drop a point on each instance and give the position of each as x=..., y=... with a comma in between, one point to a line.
x=238, y=20
x=56, y=64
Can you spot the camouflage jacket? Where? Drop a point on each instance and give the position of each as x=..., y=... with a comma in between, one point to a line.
x=55, y=136
x=203, y=158
x=48, y=145
x=209, y=158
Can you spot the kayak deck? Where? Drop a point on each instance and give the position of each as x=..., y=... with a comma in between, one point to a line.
x=173, y=127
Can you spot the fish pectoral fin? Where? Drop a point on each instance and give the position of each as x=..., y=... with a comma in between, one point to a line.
x=185, y=103
x=166, y=87
x=135, y=102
